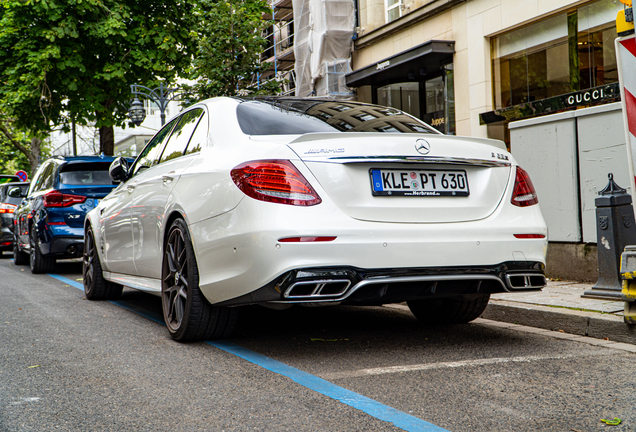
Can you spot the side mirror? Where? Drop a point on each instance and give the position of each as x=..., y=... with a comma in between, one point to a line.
x=16, y=192
x=119, y=170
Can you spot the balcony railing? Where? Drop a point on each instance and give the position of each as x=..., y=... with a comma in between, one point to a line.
x=281, y=38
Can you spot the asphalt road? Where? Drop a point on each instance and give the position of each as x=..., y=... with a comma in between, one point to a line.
x=74, y=365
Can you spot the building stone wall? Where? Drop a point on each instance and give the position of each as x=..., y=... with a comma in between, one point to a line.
x=469, y=23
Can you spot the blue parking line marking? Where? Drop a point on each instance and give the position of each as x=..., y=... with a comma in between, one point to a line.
x=139, y=311
x=369, y=406
x=66, y=280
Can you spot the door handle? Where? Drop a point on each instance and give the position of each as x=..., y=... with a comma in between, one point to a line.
x=167, y=178
x=130, y=188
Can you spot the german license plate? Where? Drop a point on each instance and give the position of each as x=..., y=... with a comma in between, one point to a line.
x=419, y=182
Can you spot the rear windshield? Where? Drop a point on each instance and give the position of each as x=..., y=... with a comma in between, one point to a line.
x=8, y=178
x=86, y=174
x=293, y=116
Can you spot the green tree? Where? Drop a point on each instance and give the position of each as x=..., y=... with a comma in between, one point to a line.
x=75, y=59
x=19, y=150
x=230, y=41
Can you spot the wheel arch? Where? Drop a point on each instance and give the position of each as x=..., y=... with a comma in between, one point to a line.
x=176, y=214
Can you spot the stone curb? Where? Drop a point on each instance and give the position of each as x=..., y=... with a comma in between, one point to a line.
x=583, y=323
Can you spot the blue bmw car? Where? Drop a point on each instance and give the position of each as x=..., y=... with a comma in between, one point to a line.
x=50, y=220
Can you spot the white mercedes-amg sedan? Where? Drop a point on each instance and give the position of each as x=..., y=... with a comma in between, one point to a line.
x=313, y=202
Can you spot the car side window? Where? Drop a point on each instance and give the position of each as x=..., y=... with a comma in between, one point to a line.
x=150, y=154
x=42, y=176
x=49, y=177
x=199, y=136
x=37, y=179
x=181, y=135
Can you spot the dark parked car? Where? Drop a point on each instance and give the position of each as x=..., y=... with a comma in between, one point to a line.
x=8, y=178
x=50, y=219
x=11, y=195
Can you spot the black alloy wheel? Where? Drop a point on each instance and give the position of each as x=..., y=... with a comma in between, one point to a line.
x=39, y=263
x=186, y=311
x=95, y=286
x=19, y=257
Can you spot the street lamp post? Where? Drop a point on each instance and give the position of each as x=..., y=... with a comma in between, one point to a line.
x=160, y=95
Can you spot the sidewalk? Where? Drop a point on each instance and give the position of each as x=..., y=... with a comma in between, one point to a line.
x=560, y=307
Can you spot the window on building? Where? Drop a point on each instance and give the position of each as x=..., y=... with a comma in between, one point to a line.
x=393, y=10
x=568, y=52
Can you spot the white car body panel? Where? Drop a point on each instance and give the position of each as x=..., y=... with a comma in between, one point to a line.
x=115, y=234
x=245, y=254
x=236, y=237
x=151, y=198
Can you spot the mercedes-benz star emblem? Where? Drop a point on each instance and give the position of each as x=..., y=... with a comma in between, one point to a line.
x=422, y=146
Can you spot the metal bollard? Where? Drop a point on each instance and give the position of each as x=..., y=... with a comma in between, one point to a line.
x=615, y=229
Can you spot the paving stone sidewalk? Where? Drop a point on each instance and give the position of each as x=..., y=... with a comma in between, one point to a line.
x=560, y=307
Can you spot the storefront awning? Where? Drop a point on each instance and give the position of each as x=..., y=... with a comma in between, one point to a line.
x=409, y=65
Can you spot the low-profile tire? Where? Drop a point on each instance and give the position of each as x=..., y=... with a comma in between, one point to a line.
x=186, y=312
x=449, y=310
x=95, y=286
x=39, y=263
x=19, y=257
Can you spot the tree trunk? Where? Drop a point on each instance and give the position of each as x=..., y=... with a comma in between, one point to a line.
x=107, y=140
x=34, y=155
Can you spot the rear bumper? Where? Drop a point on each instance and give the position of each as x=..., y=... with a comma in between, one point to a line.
x=63, y=247
x=349, y=285
x=238, y=252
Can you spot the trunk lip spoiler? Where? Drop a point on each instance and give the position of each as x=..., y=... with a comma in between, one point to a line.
x=411, y=160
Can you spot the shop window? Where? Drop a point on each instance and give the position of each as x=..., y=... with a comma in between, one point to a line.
x=568, y=52
x=431, y=100
x=403, y=96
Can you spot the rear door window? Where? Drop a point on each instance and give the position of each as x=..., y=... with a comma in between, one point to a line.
x=199, y=137
x=41, y=177
x=151, y=153
x=181, y=135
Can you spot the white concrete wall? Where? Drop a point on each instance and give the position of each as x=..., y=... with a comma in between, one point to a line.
x=568, y=157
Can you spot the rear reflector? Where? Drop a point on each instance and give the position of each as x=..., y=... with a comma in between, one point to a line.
x=57, y=223
x=7, y=208
x=523, y=194
x=306, y=239
x=527, y=236
x=56, y=198
x=277, y=181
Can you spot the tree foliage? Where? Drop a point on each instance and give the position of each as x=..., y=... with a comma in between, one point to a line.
x=18, y=151
x=75, y=59
x=230, y=41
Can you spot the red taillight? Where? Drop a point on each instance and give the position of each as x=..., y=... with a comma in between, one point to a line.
x=7, y=208
x=524, y=194
x=5, y=243
x=529, y=236
x=275, y=181
x=306, y=239
x=56, y=198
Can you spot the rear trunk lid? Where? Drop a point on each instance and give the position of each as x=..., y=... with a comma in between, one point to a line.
x=407, y=178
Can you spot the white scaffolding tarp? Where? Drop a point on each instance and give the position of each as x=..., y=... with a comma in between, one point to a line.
x=324, y=29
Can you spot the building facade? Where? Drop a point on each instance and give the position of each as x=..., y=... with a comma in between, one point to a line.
x=471, y=66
